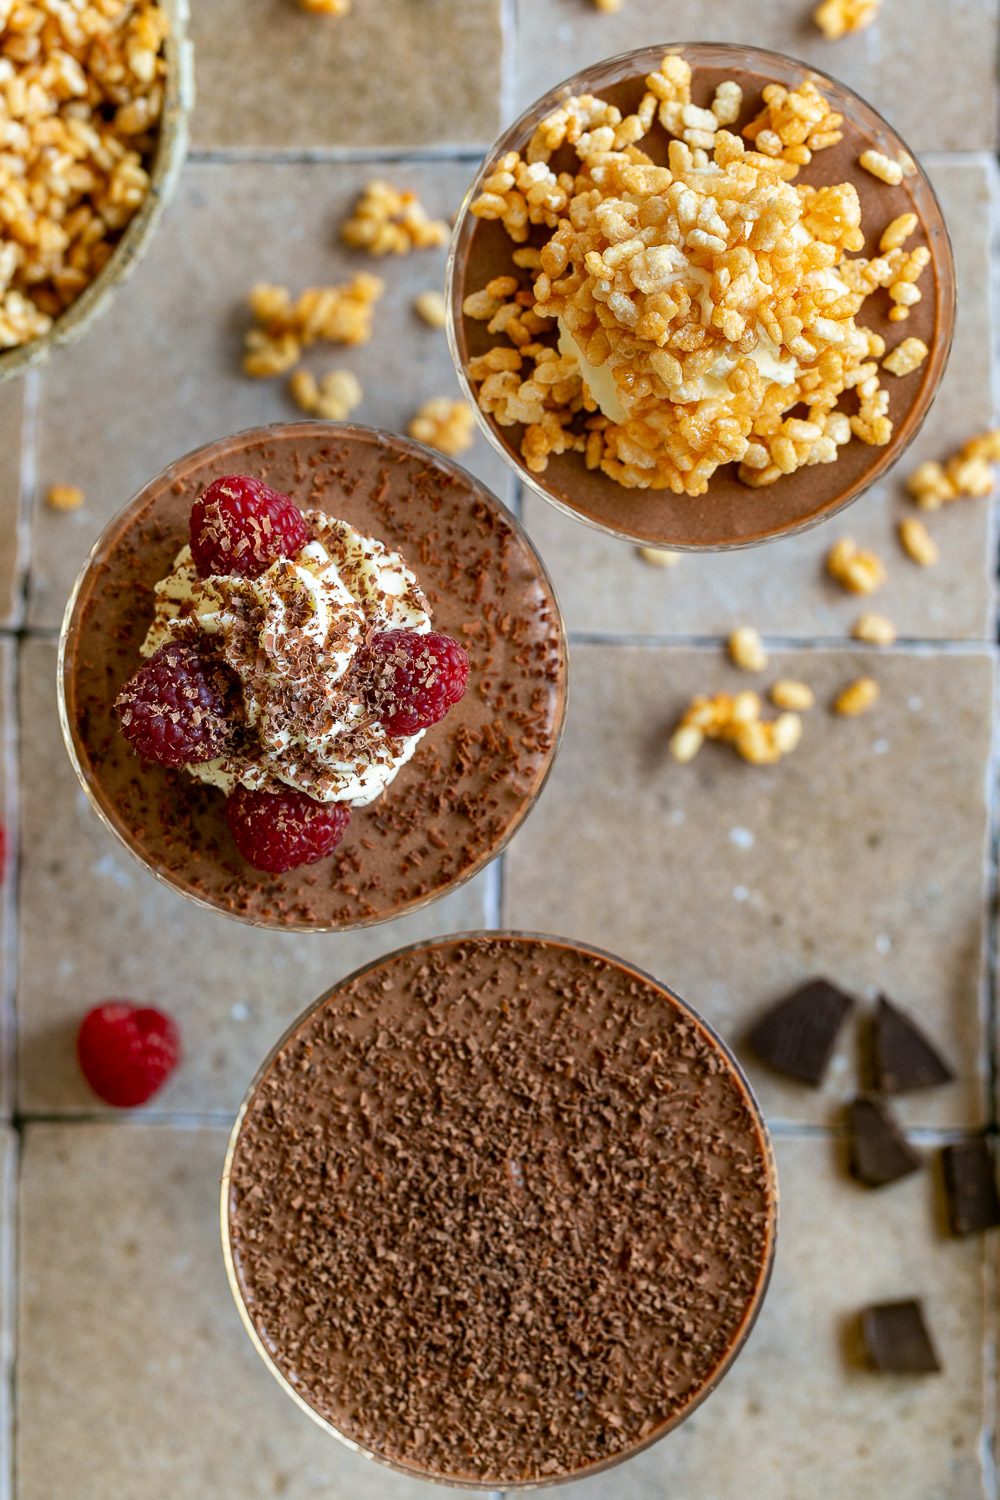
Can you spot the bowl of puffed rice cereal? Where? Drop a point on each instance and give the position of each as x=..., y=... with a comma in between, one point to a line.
x=701, y=296
x=94, y=100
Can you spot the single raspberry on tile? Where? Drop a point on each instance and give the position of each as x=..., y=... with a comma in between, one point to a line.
x=175, y=709
x=413, y=679
x=127, y=1051
x=240, y=525
x=277, y=831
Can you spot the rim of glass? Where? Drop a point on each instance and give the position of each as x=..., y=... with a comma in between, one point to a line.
x=641, y=60
x=751, y=1313
x=336, y=431
x=169, y=155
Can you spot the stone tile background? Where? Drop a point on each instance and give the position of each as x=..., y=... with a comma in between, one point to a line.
x=868, y=855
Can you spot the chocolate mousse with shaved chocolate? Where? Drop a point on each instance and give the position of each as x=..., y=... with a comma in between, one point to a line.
x=313, y=675
x=701, y=295
x=499, y=1210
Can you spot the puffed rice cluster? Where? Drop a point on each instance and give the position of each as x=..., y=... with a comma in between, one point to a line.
x=81, y=94
x=835, y=18
x=671, y=277
x=735, y=718
x=392, y=221
x=968, y=474
x=338, y=314
x=445, y=424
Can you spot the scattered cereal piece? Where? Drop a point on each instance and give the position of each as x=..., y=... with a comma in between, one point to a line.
x=327, y=7
x=906, y=357
x=966, y=474
x=391, y=221
x=896, y=233
x=857, y=698
x=794, y=696
x=333, y=397
x=444, y=424
x=81, y=95
x=338, y=314
x=881, y=166
x=685, y=742
x=835, y=18
x=917, y=542
x=431, y=307
x=608, y=4
x=857, y=571
x=659, y=557
x=746, y=649
x=64, y=497
x=735, y=719
x=876, y=629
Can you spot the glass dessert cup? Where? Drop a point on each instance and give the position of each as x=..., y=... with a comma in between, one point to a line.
x=730, y=514
x=164, y=172
x=474, y=777
x=258, y=1233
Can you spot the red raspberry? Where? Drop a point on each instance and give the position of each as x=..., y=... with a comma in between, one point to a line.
x=240, y=525
x=174, y=710
x=413, y=679
x=127, y=1051
x=276, y=831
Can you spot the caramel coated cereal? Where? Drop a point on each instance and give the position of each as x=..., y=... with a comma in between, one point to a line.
x=906, y=357
x=430, y=307
x=856, y=570
x=746, y=650
x=795, y=696
x=338, y=314
x=835, y=18
x=857, y=698
x=445, y=424
x=876, y=629
x=735, y=718
x=333, y=397
x=917, y=542
x=391, y=221
x=64, y=497
x=967, y=474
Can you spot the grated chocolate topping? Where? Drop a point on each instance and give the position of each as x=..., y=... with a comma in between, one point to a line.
x=500, y=1209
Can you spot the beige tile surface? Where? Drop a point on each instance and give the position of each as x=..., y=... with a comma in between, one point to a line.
x=95, y=925
x=161, y=373
x=8, y=875
x=8, y=1215
x=348, y=82
x=12, y=402
x=798, y=1415
x=136, y=1380
x=859, y=857
x=920, y=66
x=782, y=587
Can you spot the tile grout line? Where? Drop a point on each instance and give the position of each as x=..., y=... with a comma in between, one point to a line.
x=8, y=1309
x=510, y=24
x=292, y=156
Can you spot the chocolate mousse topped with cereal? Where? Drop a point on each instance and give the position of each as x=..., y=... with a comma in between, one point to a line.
x=313, y=676
x=700, y=303
x=81, y=97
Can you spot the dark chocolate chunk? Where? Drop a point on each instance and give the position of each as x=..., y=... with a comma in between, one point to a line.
x=796, y=1036
x=896, y=1339
x=970, y=1182
x=880, y=1152
x=902, y=1055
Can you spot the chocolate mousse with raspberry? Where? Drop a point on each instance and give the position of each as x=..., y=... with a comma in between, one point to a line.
x=500, y=1210
x=702, y=296
x=275, y=713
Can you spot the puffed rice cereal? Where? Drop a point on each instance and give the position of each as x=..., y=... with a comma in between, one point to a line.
x=797, y=697
x=327, y=7
x=967, y=474
x=835, y=18
x=857, y=698
x=445, y=424
x=855, y=569
x=81, y=95
x=696, y=305
x=338, y=314
x=917, y=542
x=659, y=557
x=430, y=307
x=391, y=221
x=876, y=629
x=746, y=649
x=735, y=718
x=64, y=497
x=333, y=397
x=906, y=357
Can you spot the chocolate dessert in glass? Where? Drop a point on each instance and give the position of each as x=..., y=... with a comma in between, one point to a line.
x=701, y=296
x=499, y=1210
x=313, y=676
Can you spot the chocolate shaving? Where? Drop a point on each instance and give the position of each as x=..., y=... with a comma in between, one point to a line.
x=880, y=1152
x=797, y=1036
x=970, y=1181
x=904, y=1059
x=896, y=1339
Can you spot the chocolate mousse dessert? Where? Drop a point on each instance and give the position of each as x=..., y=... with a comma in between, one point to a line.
x=499, y=1210
x=701, y=298
x=313, y=676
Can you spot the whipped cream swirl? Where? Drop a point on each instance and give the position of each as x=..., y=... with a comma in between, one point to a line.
x=291, y=637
